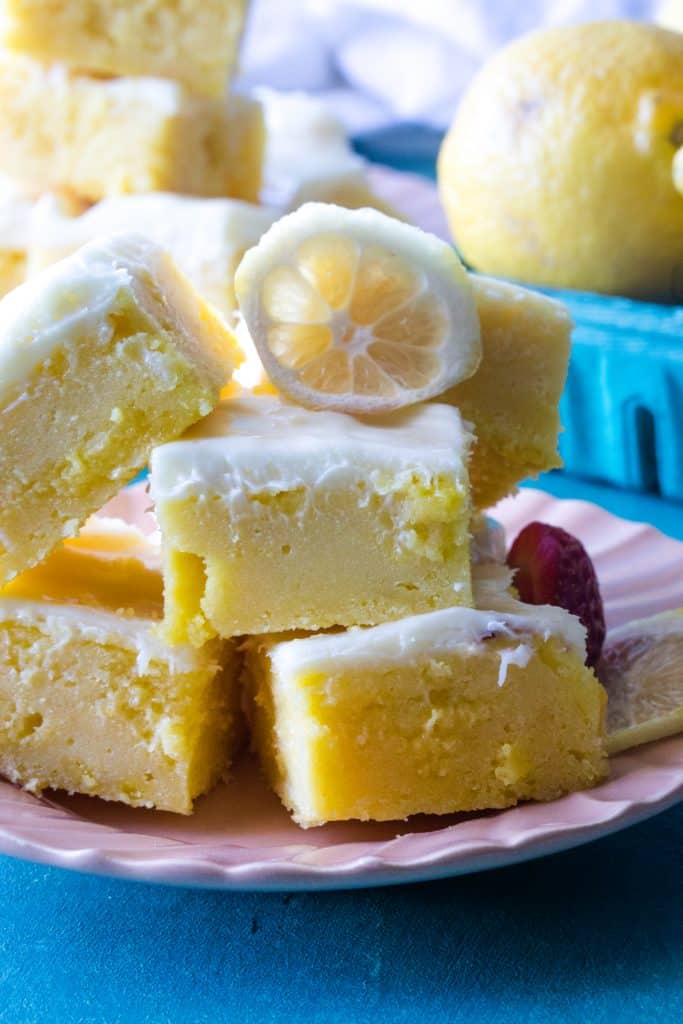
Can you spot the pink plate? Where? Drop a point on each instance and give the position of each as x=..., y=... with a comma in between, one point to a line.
x=241, y=838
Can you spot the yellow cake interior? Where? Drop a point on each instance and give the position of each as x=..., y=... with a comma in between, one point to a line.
x=12, y=269
x=290, y=559
x=257, y=539
x=512, y=399
x=91, y=701
x=108, y=136
x=101, y=397
x=242, y=139
x=195, y=43
x=423, y=729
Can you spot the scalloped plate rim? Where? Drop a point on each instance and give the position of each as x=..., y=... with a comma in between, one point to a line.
x=280, y=875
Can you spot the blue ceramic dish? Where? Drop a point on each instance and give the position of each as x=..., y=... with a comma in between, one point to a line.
x=622, y=409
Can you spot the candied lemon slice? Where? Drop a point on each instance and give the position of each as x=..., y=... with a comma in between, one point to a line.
x=355, y=311
x=642, y=670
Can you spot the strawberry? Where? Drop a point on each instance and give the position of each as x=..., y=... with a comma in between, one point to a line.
x=553, y=567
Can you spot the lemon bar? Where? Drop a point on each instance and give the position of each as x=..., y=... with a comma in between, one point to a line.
x=12, y=269
x=103, y=136
x=91, y=700
x=102, y=356
x=206, y=237
x=454, y=710
x=241, y=147
x=513, y=397
x=274, y=517
x=18, y=213
x=196, y=42
x=305, y=143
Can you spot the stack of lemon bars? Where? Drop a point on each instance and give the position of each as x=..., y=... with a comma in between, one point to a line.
x=322, y=580
x=114, y=114
x=322, y=586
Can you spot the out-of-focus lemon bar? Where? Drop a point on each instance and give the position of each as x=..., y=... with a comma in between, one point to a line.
x=350, y=189
x=12, y=269
x=196, y=43
x=242, y=147
x=15, y=234
x=104, y=136
x=91, y=699
x=206, y=237
x=102, y=356
x=305, y=142
x=274, y=517
x=18, y=215
x=513, y=398
x=455, y=710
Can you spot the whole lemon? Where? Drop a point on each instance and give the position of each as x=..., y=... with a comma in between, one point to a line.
x=564, y=164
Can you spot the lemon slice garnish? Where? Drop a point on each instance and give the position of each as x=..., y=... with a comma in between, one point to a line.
x=642, y=670
x=355, y=311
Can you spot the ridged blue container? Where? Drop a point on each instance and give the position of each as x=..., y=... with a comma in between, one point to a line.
x=623, y=406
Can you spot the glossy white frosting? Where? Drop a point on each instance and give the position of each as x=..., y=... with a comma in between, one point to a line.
x=432, y=635
x=204, y=236
x=67, y=304
x=264, y=444
x=74, y=623
x=167, y=96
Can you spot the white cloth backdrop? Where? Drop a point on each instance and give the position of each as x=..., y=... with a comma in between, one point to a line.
x=381, y=61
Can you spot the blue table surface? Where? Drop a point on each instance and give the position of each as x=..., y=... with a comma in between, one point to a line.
x=591, y=935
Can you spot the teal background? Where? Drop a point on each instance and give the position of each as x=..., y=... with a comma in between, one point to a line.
x=589, y=936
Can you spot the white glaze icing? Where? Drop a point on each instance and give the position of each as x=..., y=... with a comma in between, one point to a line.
x=520, y=656
x=68, y=303
x=201, y=234
x=261, y=443
x=167, y=96
x=431, y=635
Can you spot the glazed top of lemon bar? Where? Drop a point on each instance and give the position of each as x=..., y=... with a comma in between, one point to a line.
x=431, y=635
x=70, y=299
x=268, y=436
